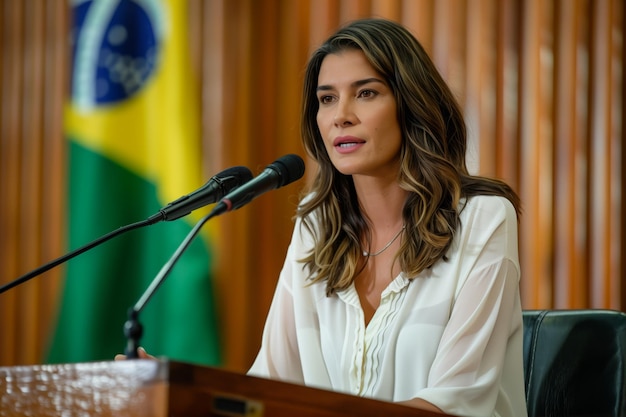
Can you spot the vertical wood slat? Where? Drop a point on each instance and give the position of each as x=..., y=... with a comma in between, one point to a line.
x=268, y=82
x=30, y=193
x=55, y=86
x=291, y=52
x=597, y=156
x=620, y=111
x=215, y=82
x=618, y=139
x=10, y=174
x=507, y=92
x=324, y=15
x=417, y=17
x=545, y=143
x=480, y=97
x=354, y=9
x=580, y=181
x=241, y=221
x=569, y=285
x=232, y=251
x=388, y=9
x=535, y=238
x=603, y=206
x=448, y=49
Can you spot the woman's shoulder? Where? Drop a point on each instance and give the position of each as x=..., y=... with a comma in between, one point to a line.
x=488, y=207
x=490, y=220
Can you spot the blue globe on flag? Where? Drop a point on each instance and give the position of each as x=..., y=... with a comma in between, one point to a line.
x=115, y=49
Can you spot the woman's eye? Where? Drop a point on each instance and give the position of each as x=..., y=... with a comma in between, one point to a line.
x=367, y=93
x=325, y=99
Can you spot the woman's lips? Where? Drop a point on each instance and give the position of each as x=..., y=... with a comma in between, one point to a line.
x=347, y=144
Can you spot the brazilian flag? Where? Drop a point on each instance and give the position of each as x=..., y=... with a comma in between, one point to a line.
x=133, y=136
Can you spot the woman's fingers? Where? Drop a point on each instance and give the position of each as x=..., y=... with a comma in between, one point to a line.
x=141, y=352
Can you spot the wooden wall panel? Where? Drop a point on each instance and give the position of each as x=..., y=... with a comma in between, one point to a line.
x=32, y=81
x=541, y=84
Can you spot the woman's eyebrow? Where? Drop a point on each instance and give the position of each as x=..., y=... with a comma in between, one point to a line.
x=357, y=83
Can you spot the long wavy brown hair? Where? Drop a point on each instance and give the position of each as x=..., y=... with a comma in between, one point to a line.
x=432, y=158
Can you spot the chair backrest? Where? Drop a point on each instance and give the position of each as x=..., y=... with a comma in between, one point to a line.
x=574, y=362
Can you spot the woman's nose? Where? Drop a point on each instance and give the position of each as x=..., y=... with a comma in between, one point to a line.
x=344, y=116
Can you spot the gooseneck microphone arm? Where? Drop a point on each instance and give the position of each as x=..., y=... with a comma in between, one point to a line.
x=133, y=330
x=218, y=186
x=281, y=172
x=47, y=266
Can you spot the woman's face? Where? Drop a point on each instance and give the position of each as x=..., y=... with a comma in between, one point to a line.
x=357, y=116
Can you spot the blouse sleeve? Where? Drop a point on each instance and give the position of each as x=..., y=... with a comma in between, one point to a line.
x=278, y=357
x=485, y=322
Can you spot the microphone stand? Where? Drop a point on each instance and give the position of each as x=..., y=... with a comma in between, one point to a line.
x=47, y=266
x=283, y=171
x=133, y=330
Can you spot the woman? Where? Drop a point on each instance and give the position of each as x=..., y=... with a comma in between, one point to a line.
x=401, y=282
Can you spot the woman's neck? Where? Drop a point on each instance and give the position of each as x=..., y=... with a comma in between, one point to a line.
x=382, y=202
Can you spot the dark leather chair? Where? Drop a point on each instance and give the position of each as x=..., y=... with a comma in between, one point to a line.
x=575, y=362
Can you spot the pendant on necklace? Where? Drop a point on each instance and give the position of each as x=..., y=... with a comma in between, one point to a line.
x=367, y=254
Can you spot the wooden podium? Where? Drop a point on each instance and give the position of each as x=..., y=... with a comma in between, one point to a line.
x=161, y=388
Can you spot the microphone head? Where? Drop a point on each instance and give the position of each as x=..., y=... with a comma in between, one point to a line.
x=289, y=167
x=216, y=188
x=232, y=178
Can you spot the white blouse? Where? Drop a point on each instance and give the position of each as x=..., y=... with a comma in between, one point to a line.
x=451, y=336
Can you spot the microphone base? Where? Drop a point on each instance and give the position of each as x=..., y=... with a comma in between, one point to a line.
x=133, y=330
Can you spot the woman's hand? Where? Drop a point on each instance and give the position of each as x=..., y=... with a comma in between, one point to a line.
x=140, y=351
x=422, y=404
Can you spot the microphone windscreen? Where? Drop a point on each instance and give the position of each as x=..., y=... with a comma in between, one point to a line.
x=241, y=173
x=290, y=168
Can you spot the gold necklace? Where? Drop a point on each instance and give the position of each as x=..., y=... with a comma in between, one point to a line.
x=367, y=254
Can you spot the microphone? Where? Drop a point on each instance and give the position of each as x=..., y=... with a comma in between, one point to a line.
x=279, y=173
x=216, y=188
x=212, y=191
